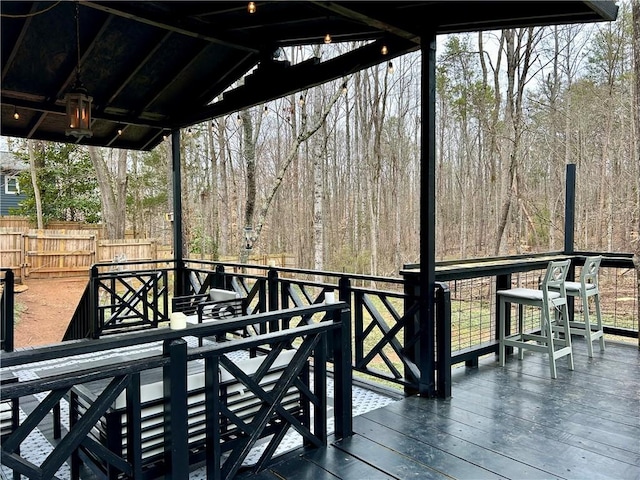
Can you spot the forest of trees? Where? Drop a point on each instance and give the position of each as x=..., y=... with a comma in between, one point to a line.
x=331, y=174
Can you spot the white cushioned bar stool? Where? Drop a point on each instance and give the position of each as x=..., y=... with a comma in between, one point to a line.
x=554, y=337
x=587, y=288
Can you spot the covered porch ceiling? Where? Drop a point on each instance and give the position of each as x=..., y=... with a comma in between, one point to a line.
x=154, y=67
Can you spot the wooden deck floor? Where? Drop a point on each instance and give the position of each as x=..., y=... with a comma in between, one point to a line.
x=513, y=422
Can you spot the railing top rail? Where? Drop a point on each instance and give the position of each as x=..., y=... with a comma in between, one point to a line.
x=132, y=262
x=156, y=360
x=321, y=273
x=80, y=347
x=472, y=268
x=247, y=343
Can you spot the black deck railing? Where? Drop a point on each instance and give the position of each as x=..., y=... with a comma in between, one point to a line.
x=7, y=306
x=310, y=330
x=389, y=340
x=392, y=348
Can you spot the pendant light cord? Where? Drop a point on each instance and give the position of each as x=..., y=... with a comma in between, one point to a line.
x=78, y=38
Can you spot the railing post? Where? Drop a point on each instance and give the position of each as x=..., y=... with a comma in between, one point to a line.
x=443, y=340
x=8, y=311
x=94, y=329
x=342, y=375
x=345, y=294
x=272, y=290
x=219, y=277
x=412, y=329
x=176, y=427
x=503, y=282
x=569, y=209
x=273, y=296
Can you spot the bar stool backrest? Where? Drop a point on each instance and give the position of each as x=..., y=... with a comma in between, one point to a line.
x=554, y=281
x=589, y=273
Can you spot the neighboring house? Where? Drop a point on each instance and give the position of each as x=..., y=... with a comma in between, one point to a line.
x=10, y=167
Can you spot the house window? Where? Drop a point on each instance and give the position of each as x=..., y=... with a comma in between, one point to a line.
x=11, y=185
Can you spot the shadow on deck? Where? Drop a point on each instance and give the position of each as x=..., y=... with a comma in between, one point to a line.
x=513, y=422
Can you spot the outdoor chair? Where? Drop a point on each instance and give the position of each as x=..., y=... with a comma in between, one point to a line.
x=585, y=289
x=554, y=337
x=216, y=304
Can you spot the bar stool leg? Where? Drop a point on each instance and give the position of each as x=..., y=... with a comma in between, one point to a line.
x=567, y=334
x=587, y=322
x=501, y=347
x=547, y=330
x=520, y=329
x=596, y=299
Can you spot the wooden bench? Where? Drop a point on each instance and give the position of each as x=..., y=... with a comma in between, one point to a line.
x=109, y=438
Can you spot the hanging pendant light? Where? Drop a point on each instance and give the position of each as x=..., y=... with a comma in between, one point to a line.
x=77, y=99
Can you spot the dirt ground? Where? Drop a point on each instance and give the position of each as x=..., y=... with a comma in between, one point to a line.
x=44, y=308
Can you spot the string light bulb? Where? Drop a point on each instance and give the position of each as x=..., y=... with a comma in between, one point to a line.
x=344, y=88
x=119, y=131
x=251, y=8
x=390, y=68
x=327, y=39
x=16, y=115
x=301, y=101
x=384, y=50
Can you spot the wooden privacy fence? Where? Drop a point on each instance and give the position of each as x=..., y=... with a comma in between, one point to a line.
x=64, y=253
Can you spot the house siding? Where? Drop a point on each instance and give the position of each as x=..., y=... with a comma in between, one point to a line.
x=10, y=166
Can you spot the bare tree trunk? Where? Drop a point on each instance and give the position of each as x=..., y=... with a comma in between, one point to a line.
x=490, y=121
x=223, y=197
x=307, y=132
x=518, y=63
x=318, y=206
x=249, y=154
x=34, y=183
x=215, y=188
x=113, y=192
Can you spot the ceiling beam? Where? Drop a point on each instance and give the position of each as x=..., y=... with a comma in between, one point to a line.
x=298, y=77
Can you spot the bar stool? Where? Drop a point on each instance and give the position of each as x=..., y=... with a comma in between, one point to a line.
x=552, y=301
x=588, y=287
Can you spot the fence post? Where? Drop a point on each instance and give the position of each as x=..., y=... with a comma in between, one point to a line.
x=176, y=428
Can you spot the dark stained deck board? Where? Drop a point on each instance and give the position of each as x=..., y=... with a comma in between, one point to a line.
x=462, y=443
x=511, y=422
x=508, y=422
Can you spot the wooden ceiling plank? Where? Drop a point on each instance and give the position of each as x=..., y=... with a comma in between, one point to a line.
x=127, y=10
x=17, y=45
x=367, y=20
x=139, y=64
x=71, y=77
